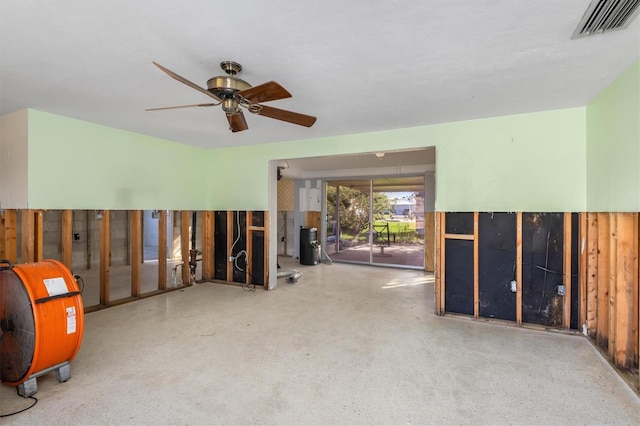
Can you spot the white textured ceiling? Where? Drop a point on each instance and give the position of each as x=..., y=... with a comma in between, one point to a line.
x=359, y=66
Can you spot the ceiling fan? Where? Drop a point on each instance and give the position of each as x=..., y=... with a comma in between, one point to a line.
x=234, y=94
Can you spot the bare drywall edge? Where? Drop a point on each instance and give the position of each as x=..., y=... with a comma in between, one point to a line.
x=14, y=160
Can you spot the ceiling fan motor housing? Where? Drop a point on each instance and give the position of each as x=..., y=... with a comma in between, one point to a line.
x=226, y=86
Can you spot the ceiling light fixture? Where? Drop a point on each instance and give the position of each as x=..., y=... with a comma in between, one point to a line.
x=380, y=155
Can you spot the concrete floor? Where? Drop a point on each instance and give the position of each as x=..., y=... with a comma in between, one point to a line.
x=411, y=255
x=346, y=344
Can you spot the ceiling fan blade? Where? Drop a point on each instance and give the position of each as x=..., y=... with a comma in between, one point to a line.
x=237, y=122
x=288, y=116
x=185, y=81
x=181, y=106
x=265, y=92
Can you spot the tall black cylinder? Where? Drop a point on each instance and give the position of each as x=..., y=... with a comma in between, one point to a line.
x=308, y=246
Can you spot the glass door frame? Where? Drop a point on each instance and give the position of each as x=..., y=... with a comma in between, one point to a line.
x=371, y=217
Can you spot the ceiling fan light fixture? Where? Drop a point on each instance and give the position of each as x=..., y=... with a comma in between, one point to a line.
x=230, y=106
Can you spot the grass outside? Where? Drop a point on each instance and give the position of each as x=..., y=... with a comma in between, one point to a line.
x=405, y=232
x=397, y=227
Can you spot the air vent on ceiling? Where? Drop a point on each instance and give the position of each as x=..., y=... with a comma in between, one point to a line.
x=606, y=15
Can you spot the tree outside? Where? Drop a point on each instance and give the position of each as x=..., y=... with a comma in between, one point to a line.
x=354, y=216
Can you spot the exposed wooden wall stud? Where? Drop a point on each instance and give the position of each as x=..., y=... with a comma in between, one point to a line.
x=185, y=222
x=613, y=261
x=249, y=248
x=429, y=237
x=38, y=234
x=162, y=250
x=230, y=228
x=10, y=235
x=208, y=245
x=476, y=268
x=592, y=274
x=440, y=302
x=519, y=268
x=66, y=255
x=625, y=267
x=28, y=236
x=105, y=251
x=582, y=270
x=602, y=330
x=135, y=237
x=566, y=319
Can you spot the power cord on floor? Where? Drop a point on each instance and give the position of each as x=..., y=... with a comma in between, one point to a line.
x=35, y=401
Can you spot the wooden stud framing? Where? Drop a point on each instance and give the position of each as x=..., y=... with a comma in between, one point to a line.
x=185, y=222
x=66, y=220
x=636, y=292
x=2, y=236
x=582, y=269
x=592, y=274
x=313, y=219
x=249, y=248
x=459, y=237
x=28, y=236
x=105, y=251
x=625, y=271
x=88, y=239
x=38, y=234
x=265, y=266
x=613, y=259
x=613, y=277
x=602, y=315
x=476, y=269
x=135, y=241
x=9, y=236
x=566, y=318
x=429, y=237
x=162, y=250
x=230, y=228
x=440, y=262
x=519, y=268
x=208, y=245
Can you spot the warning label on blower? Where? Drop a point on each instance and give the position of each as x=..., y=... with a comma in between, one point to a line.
x=71, y=320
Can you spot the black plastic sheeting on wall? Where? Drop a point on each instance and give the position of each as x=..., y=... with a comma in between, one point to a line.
x=575, y=268
x=220, y=246
x=542, y=266
x=497, y=265
x=458, y=276
x=257, y=262
x=257, y=218
x=459, y=223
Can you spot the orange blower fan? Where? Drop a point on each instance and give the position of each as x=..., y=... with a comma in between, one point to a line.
x=41, y=322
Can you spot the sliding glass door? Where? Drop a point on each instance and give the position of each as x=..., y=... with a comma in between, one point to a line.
x=376, y=221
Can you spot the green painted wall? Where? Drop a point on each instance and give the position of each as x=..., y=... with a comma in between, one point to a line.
x=526, y=162
x=613, y=145
x=75, y=164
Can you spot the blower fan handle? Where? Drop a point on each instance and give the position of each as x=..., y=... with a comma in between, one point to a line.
x=7, y=262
